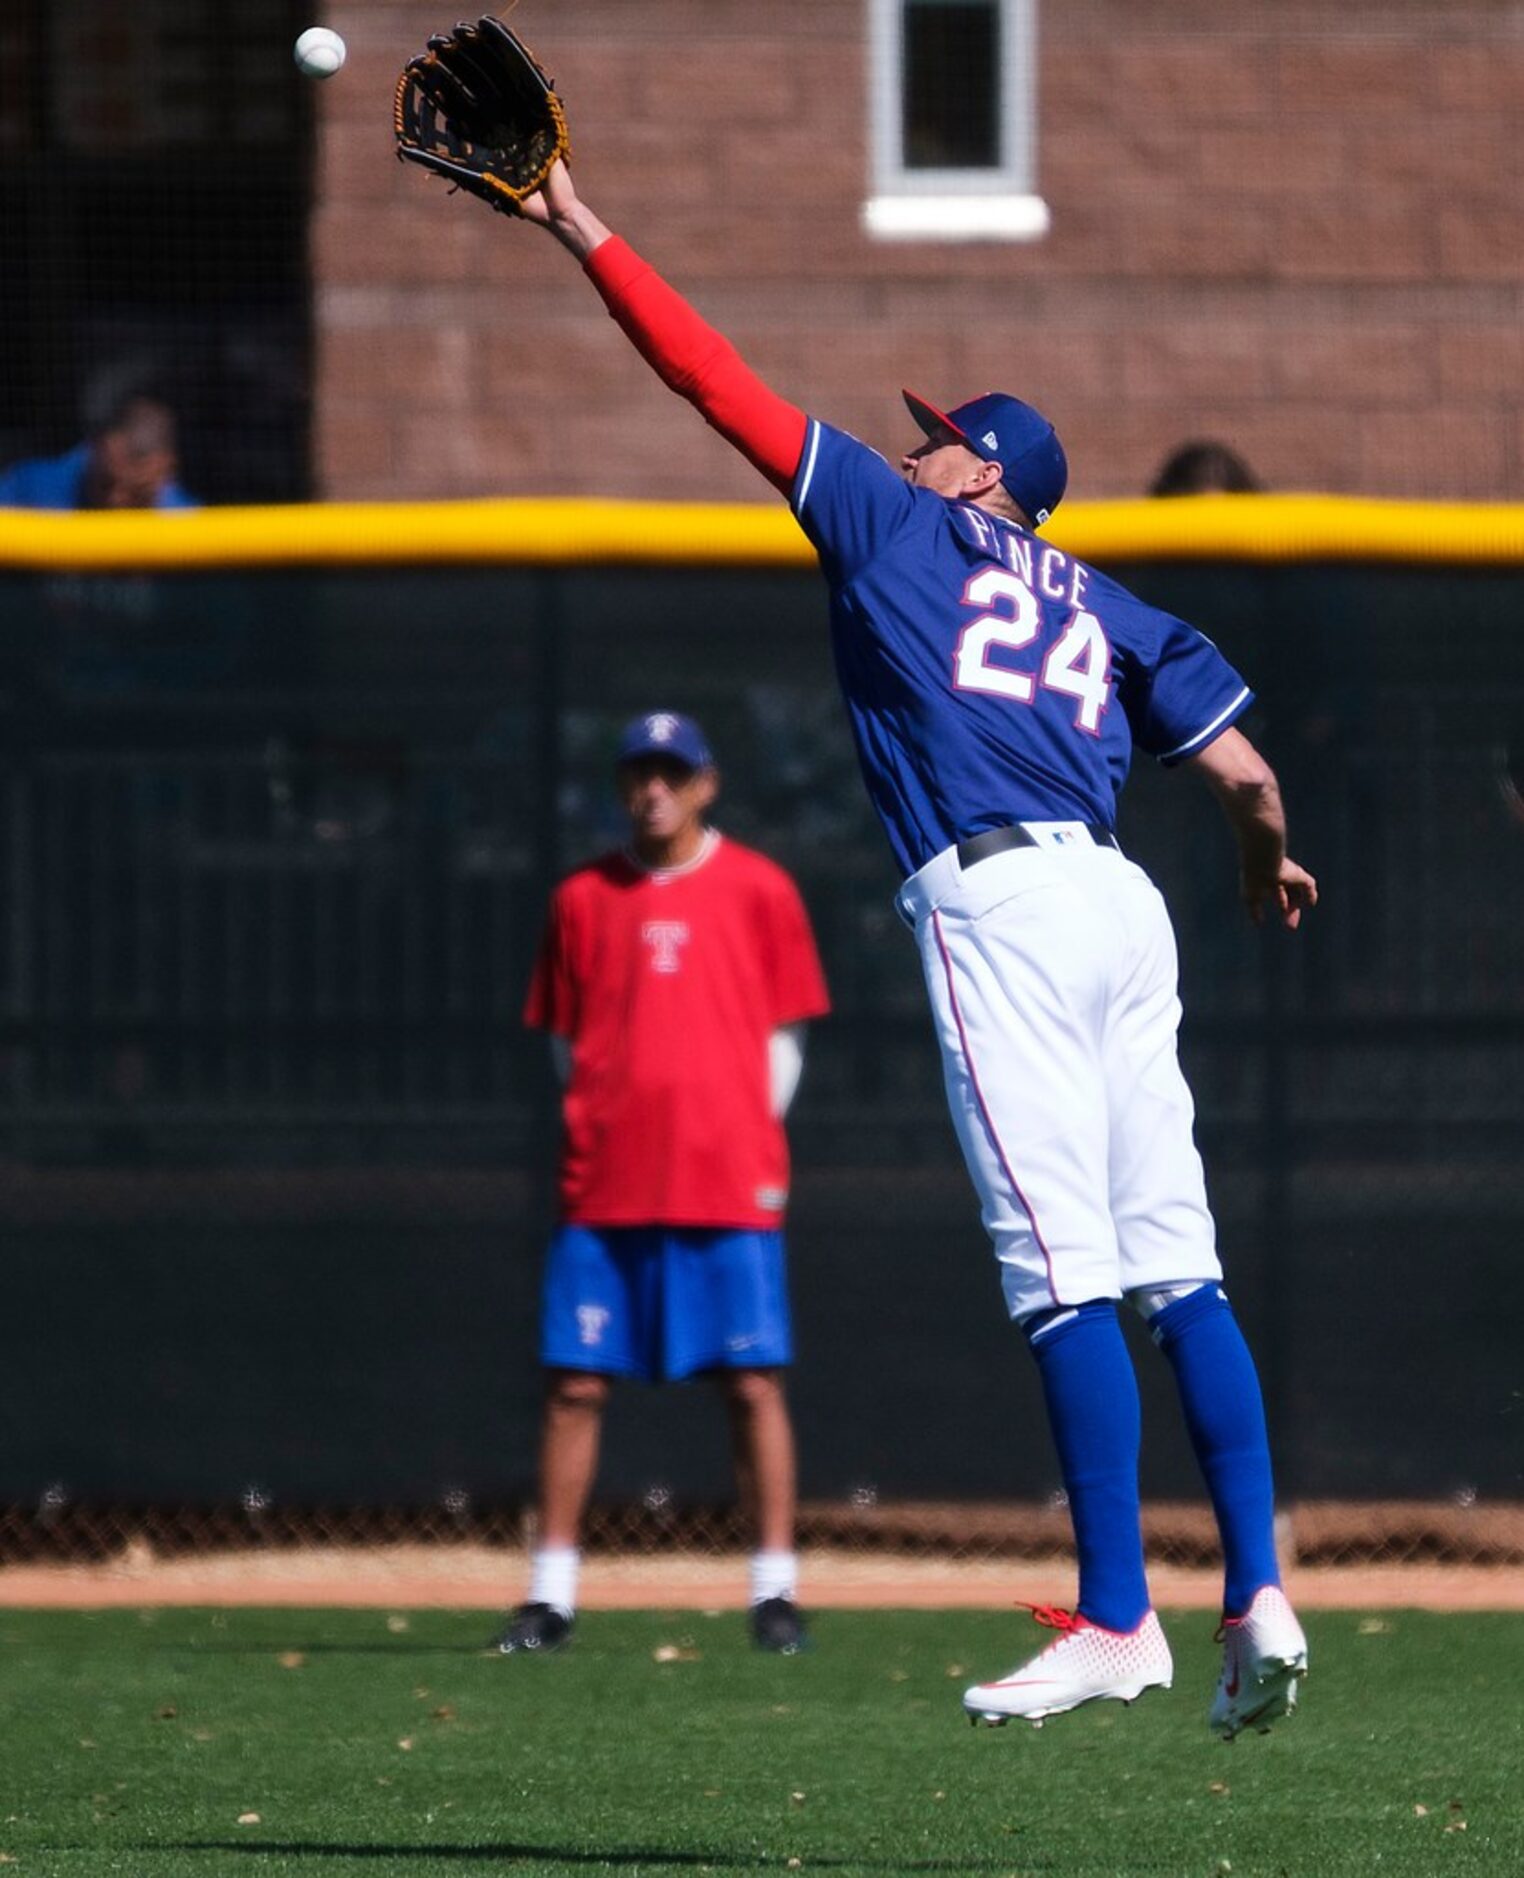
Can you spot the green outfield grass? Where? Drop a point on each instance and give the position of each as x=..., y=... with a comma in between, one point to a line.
x=136, y=1742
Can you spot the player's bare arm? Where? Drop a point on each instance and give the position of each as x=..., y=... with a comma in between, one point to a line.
x=558, y=208
x=1244, y=783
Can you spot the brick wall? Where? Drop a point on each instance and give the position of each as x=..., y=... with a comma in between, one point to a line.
x=1295, y=228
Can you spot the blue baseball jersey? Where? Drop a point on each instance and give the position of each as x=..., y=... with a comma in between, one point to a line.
x=990, y=677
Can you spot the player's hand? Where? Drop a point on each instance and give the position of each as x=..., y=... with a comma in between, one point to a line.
x=1291, y=890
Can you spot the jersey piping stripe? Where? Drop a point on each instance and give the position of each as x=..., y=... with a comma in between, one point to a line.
x=1202, y=735
x=803, y=493
x=984, y=1109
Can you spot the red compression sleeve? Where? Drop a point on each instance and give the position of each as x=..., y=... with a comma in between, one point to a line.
x=699, y=363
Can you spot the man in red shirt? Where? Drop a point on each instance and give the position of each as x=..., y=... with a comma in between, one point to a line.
x=675, y=978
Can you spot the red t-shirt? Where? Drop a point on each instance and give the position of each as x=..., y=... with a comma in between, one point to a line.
x=668, y=986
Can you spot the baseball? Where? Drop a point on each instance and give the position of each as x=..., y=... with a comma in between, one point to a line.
x=319, y=52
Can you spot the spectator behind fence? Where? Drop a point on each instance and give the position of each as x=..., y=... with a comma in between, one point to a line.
x=1202, y=466
x=130, y=462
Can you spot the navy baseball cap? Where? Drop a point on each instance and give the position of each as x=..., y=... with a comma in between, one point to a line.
x=664, y=733
x=1001, y=429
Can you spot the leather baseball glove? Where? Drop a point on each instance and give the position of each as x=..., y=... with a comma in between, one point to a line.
x=477, y=108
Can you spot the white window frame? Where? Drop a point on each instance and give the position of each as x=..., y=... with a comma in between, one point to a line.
x=955, y=204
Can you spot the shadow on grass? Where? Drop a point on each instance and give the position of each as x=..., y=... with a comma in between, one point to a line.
x=565, y=1855
x=394, y=1646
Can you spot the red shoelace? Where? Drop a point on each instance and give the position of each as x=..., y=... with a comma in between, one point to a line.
x=1051, y=1616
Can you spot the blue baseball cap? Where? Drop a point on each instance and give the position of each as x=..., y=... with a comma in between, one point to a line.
x=1001, y=429
x=664, y=733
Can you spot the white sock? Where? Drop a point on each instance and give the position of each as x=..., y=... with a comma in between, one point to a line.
x=553, y=1577
x=774, y=1575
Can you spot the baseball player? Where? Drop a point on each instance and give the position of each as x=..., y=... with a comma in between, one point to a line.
x=996, y=688
x=675, y=979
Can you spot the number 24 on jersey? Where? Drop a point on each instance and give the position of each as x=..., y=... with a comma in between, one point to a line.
x=1078, y=663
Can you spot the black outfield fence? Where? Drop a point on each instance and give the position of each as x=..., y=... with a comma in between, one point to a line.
x=275, y=848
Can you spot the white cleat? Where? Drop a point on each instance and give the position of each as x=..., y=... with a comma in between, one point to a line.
x=1264, y=1657
x=1084, y=1663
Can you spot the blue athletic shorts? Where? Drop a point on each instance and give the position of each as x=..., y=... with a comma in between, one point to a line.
x=663, y=1302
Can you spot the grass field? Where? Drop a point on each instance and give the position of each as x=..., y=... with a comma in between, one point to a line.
x=336, y=1743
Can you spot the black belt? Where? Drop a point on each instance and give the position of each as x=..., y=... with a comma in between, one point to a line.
x=996, y=840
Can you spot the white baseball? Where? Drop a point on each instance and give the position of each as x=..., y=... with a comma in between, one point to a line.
x=319, y=52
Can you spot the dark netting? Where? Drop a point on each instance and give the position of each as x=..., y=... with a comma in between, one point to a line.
x=278, y=1155
x=156, y=169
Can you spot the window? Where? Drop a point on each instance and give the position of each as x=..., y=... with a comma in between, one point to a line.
x=952, y=89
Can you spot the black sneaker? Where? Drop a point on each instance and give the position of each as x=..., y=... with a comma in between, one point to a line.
x=535, y=1627
x=777, y=1625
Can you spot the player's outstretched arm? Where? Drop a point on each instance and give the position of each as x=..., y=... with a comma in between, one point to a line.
x=688, y=355
x=478, y=108
x=1244, y=783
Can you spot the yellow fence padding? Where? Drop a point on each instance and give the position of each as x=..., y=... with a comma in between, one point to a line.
x=562, y=532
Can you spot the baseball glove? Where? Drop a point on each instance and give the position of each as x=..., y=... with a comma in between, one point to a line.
x=477, y=108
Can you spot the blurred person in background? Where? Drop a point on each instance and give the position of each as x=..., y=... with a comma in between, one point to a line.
x=1202, y=466
x=131, y=462
x=675, y=979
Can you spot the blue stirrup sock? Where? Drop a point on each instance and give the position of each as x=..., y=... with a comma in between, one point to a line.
x=1225, y=1415
x=1092, y=1397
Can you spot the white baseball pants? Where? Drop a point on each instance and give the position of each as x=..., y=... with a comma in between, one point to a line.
x=1053, y=978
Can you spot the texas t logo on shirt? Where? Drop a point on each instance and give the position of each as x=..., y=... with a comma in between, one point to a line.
x=665, y=937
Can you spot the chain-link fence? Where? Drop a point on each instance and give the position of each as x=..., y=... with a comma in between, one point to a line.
x=1337, y=1533
x=156, y=181
x=278, y=1155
